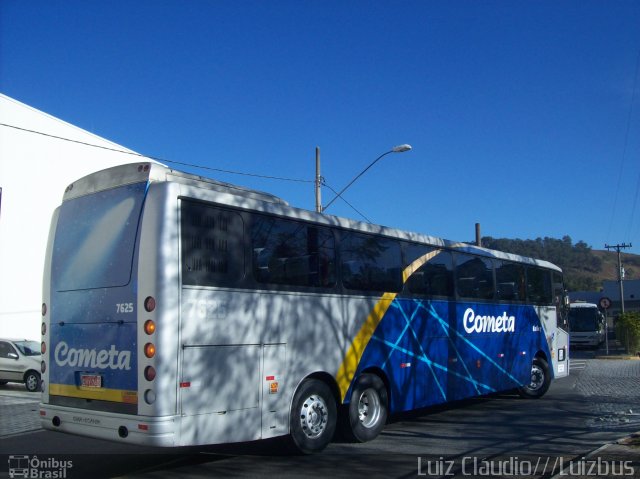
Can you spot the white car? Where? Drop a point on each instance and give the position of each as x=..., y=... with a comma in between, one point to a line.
x=20, y=363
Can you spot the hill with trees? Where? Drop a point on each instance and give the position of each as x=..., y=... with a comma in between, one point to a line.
x=584, y=268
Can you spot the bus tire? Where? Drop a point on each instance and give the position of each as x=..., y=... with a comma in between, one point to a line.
x=540, y=380
x=313, y=416
x=367, y=410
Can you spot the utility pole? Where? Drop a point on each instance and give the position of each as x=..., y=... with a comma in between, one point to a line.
x=318, y=182
x=618, y=247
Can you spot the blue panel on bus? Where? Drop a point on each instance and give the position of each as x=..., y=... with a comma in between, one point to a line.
x=93, y=330
x=104, y=352
x=94, y=336
x=438, y=351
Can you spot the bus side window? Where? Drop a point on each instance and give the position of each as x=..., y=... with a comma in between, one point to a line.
x=434, y=278
x=539, y=285
x=212, y=242
x=370, y=263
x=474, y=277
x=510, y=280
x=292, y=253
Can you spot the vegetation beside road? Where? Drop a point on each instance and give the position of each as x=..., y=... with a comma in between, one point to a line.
x=628, y=331
x=584, y=268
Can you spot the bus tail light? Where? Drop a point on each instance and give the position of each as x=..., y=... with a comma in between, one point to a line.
x=43, y=347
x=150, y=304
x=149, y=373
x=149, y=327
x=149, y=350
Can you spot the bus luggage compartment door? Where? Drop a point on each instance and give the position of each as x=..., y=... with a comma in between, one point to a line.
x=220, y=392
x=220, y=378
x=274, y=407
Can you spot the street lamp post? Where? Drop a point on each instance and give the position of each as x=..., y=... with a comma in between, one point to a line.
x=320, y=208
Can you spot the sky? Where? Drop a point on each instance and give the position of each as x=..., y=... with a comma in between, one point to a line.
x=522, y=116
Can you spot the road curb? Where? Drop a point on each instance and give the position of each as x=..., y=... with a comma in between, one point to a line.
x=624, y=358
x=627, y=447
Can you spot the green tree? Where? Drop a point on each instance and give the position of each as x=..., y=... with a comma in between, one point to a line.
x=628, y=331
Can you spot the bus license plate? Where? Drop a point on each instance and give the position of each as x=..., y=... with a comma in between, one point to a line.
x=91, y=381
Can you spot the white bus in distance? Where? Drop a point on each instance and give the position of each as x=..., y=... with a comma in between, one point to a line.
x=179, y=310
x=586, y=325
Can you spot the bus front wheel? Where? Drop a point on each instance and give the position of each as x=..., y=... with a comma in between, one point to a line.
x=540, y=380
x=368, y=409
x=313, y=416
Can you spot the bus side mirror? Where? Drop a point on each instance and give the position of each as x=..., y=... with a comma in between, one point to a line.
x=12, y=356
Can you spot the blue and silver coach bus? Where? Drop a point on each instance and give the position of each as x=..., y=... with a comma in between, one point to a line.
x=178, y=310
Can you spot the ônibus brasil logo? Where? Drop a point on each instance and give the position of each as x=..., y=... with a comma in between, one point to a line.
x=488, y=324
x=32, y=467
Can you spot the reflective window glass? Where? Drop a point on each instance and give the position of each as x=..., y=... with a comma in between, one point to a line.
x=370, y=263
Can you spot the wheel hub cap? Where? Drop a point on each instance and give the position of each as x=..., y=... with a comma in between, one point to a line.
x=313, y=416
x=369, y=408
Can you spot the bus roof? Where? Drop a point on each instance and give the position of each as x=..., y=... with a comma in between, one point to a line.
x=252, y=199
x=581, y=304
x=156, y=172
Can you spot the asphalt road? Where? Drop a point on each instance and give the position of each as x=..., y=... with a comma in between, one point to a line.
x=580, y=413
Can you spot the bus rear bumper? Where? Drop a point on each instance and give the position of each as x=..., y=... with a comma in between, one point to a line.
x=142, y=430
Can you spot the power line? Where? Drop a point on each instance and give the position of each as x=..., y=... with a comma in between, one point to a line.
x=161, y=160
x=624, y=150
x=191, y=165
x=633, y=209
x=342, y=198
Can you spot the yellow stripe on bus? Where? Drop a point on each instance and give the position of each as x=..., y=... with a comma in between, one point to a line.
x=409, y=270
x=113, y=395
x=351, y=360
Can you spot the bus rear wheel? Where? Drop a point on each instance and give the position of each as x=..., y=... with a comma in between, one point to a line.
x=540, y=380
x=313, y=416
x=368, y=409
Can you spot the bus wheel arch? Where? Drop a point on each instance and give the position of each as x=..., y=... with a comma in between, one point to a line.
x=313, y=414
x=366, y=414
x=540, y=378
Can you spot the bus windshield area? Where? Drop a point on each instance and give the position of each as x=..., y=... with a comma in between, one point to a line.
x=95, y=239
x=583, y=320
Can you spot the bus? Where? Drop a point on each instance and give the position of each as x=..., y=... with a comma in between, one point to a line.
x=179, y=311
x=587, y=325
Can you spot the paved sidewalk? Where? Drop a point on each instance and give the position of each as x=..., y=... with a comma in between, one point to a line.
x=612, y=385
x=613, y=389
x=19, y=414
x=618, y=459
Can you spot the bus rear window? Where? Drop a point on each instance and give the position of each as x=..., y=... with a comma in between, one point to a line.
x=95, y=239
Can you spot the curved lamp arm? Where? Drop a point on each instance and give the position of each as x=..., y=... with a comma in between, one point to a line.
x=395, y=149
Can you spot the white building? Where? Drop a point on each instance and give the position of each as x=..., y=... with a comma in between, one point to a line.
x=34, y=171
